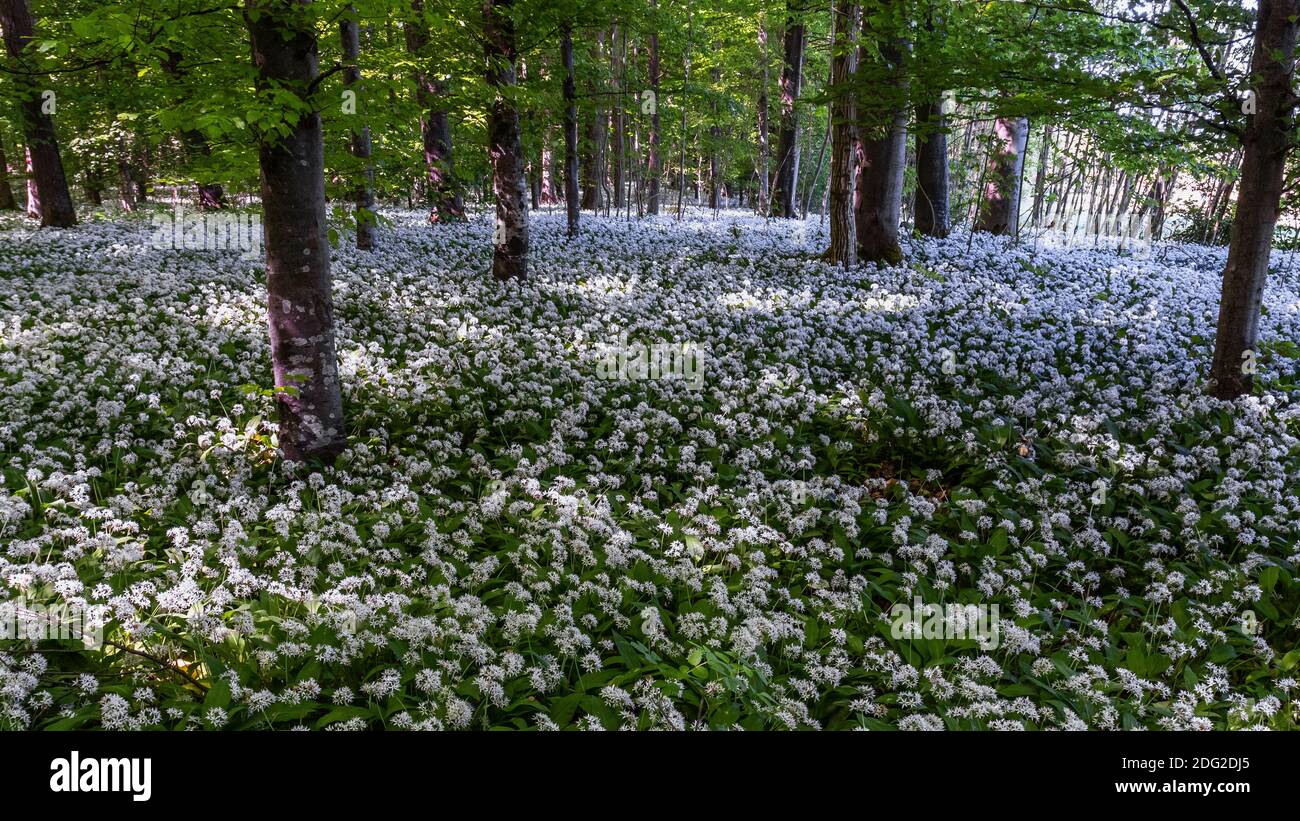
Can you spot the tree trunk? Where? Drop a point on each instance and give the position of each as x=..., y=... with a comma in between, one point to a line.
x=787, y=151
x=686, y=81
x=299, y=303
x=570, y=131
x=1040, y=176
x=211, y=196
x=764, y=131
x=363, y=193
x=7, y=201
x=441, y=192
x=765, y=151
x=715, y=147
x=94, y=191
x=653, y=170
x=549, y=196
x=844, y=142
x=879, y=199
x=930, y=211
x=33, y=193
x=125, y=182
x=618, y=56
x=1266, y=144
x=52, y=200
x=999, y=201
x=510, y=240
x=593, y=176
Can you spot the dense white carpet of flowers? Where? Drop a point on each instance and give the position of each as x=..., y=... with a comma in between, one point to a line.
x=512, y=541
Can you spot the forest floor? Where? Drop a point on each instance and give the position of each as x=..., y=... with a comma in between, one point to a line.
x=514, y=539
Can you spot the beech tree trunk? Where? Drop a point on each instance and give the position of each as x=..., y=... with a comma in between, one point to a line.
x=33, y=193
x=299, y=304
x=363, y=193
x=715, y=147
x=49, y=185
x=618, y=57
x=571, y=203
x=787, y=151
x=94, y=191
x=1040, y=177
x=878, y=202
x=999, y=209
x=505, y=152
x=1266, y=144
x=764, y=132
x=441, y=191
x=653, y=161
x=211, y=196
x=593, y=177
x=930, y=210
x=549, y=197
x=7, y=201
x=844, y=142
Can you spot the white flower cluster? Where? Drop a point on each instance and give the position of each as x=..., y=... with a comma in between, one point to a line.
x=512, y=540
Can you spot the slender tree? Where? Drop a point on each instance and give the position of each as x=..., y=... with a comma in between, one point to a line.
x=844, y=132
x=930, y=212
x=49, y=185
x=593, y=177
x=1267, y=141
x=363, y=193
x=787, y=151
x=653, y=160
x=7, y=201
x=618, y=57
x=505, y=152
x=571, y=202
x=442, y=192
x=299, y=305
x=764, y=169
x=999, y=208
x=211, y=195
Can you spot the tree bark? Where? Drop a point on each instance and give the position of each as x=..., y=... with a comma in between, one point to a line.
x=299, y=303
x=52, y=200
x=1040, y=177
x=1000, y=199
x=686, y=81
x=363, y=193
x=764, y=131
x=211, y=195
x=844, y=137
x=879, y=199
x=715, y=146
x=505, y=152
x=1266, y=145
x=787, y=152
x=653, y=161
x=7, y=201
x=441, y=191
x=930, y=211
x=593, y=176
x=572, y=205
x=618, y=56
x=549, y=197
